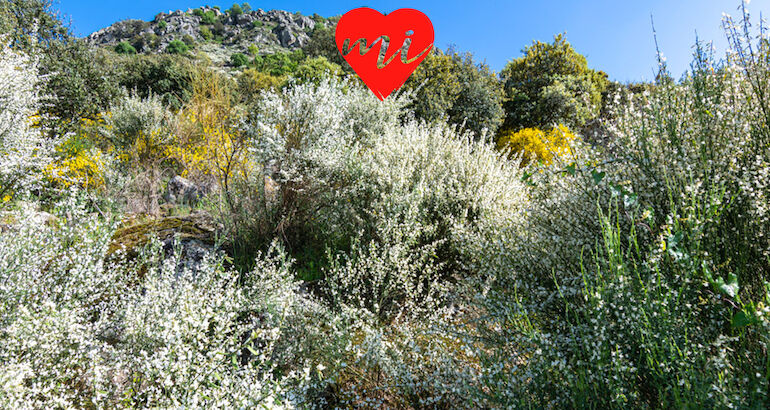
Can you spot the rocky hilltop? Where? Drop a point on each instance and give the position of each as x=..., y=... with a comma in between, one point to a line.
x=213, y=31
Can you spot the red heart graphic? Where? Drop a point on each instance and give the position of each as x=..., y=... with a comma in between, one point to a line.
x=360, y=34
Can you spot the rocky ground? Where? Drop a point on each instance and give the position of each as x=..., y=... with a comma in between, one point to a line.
x=271, y=31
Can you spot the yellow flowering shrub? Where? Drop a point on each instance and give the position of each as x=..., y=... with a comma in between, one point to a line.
x=535, y=144
x=208, y=144
x=207, y=148
x=77, y=161
x=85, y=169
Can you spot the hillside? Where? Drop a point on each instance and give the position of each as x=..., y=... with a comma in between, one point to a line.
x=218, y=34
x=267, y=233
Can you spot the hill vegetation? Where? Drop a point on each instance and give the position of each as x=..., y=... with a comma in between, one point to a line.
x=210, y=210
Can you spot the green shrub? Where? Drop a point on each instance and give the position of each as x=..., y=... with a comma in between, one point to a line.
x=252, y=82
x=31, y=24
x=279, y=64
x=162, y=25
x=206, y=33
x=235, y=10
x=176, y=47
x=209, y=18
x=135, y=118
x=455, y=86
x=125, y=48
x=246, y=7
x=82, y=82
x=238, y=60
x=198, y=12
x=163, y=75
x=218, y=28
x=316, y=69
x=551, y=84
x=146, y=42
x=253, y=50
x=188, y=40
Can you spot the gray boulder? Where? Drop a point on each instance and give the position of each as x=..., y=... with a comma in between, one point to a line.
x=183, y=191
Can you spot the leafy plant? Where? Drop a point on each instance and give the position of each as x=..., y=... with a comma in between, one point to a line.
x=177, y=47
x=238, y=60
x=125, y=48
x=235, y=10
x=549, y=85
x=454, y=86
x=206, y=33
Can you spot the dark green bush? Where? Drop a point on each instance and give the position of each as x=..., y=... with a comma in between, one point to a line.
x=177, y=47
x=551, y=84
x=235, y=10
x=454, y=85
x=218, y=28
x=279, y=64
x=209, y=18
x=145, y=42
x=125, y=48
x=31, y=23
x=238, y=60
x=162, y=25
x=82, y=82
x=167, y=76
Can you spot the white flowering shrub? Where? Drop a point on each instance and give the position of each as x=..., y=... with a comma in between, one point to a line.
x=298, y=137
x=665, y=307
x=80, y=327
x=23, y=151
x=387, y=198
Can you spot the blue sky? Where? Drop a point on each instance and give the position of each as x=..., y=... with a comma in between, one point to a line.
x=615, y=36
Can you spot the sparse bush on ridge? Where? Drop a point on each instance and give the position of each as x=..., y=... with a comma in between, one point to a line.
x=176, y=47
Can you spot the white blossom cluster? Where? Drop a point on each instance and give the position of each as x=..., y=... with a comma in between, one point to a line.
x=22, y=147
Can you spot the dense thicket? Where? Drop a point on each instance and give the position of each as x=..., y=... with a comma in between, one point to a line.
x=173, y=235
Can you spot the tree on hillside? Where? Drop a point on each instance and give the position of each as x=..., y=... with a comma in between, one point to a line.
x=322, y=44
x=31, y=23
x=79, y=81
x=82, y=81
x=551, y=84
x=453, y=85
x=235, y=10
